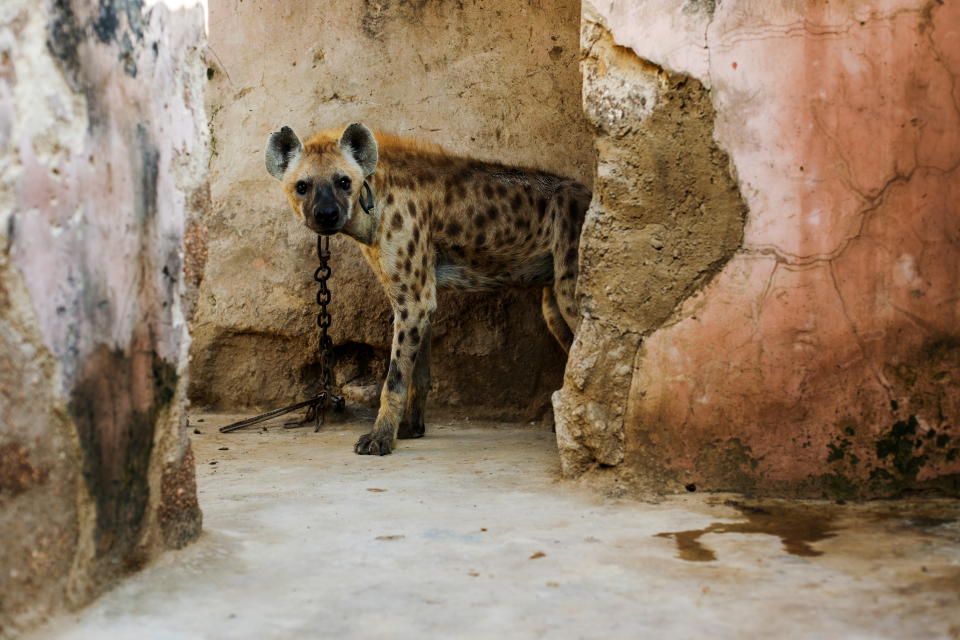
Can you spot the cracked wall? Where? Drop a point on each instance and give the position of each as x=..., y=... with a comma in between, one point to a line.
x=496, y=80
x=99, y=180
x=822, y=358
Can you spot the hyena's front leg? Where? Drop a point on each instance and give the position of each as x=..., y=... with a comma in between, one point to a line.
x=412, y=424
x=410, y=329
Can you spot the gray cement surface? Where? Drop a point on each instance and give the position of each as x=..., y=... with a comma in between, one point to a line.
x=469, y=533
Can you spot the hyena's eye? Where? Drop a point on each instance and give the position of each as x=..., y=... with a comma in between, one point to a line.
x=344, y=183
x=302, y=187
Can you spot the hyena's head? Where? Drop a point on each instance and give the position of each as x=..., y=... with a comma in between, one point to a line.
x=323, y=178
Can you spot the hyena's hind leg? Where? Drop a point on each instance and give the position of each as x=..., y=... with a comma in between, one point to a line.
x=555, y=322
x=412, y=425
x=567, y=209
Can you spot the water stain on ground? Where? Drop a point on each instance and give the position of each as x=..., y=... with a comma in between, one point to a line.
x=800, y=524
x=797, y=526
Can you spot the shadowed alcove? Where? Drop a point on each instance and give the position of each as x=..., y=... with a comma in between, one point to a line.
x=498, y=81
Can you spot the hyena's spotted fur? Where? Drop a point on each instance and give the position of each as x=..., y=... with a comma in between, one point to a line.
x=440, y=221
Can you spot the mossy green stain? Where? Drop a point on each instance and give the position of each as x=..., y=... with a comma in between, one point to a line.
x=838, y=486
x=881, y=475
x=900, y=446
x=836, y=453
x=840, y=450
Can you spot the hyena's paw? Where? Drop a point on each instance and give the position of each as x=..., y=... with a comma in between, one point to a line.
x=374, y=444
x=410, y=430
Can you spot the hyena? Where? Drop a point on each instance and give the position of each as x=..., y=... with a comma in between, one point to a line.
x=426, y=220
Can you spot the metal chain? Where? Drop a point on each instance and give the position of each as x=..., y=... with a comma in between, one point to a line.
x=317, y=405
x=324, y=320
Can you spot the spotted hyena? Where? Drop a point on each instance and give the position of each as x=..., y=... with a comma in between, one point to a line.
x=426, y=220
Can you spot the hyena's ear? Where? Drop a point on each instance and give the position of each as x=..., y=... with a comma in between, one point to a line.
x=359, y=142
x=283, y=150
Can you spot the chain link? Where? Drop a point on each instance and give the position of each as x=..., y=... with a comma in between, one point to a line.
x=324, y=320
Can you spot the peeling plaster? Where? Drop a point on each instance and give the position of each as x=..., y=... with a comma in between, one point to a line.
x=665, y=217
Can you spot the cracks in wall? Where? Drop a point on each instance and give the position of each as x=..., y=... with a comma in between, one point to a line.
x=793, y=260
x=877, y=374
x=928, y=27
x=708, y=50
x=873, y=203
x=761, y=30
x=873, y=198
x=808, y=25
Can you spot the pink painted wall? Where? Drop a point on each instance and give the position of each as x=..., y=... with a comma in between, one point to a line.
x=825, y=357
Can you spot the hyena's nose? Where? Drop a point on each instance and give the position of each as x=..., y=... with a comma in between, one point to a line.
x=325, y=210
x=326, y=216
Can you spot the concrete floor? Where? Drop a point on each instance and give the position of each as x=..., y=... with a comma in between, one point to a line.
x=468, y=533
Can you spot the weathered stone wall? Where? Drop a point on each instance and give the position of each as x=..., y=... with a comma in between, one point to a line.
x=820, y=353
x=103, y=151
x=498, y=80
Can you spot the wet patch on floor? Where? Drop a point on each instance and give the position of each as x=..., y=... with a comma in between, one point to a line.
x=797, y=526
x=933, y=518
x=800, y=525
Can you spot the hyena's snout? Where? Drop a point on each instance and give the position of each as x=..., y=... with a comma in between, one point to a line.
x=327, y=211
